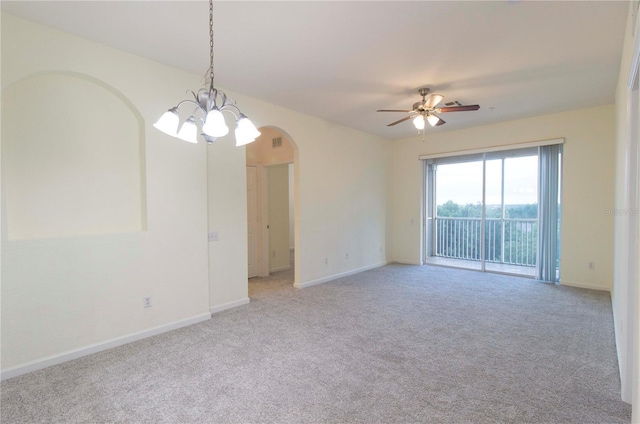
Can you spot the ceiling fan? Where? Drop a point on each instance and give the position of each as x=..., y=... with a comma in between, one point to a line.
x=426, y=110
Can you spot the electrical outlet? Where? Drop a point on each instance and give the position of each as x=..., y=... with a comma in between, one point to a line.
x=346, y=255
x=326, y=261
x=213, y=236
x=591, y=266
x=274, y=253
x=146, y=301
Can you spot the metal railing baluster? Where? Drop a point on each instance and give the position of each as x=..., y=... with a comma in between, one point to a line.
x=513, y=244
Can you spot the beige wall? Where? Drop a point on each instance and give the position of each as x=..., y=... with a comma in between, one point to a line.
x=62, y=295
x=587, y=231
x=227, y=215
x=342, y=184
x=626, y=291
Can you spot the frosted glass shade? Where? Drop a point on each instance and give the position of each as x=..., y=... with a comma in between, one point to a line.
x=214, y=124
x=189, y=131
x=433, y=120
x=418, y=122
x=246, y=132
x=168, y=122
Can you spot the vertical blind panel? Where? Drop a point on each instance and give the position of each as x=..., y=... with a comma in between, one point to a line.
x=548, y=213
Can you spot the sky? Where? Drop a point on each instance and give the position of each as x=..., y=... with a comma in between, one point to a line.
x=462, y=182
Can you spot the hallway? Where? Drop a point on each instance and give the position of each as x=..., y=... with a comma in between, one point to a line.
x=280, y=280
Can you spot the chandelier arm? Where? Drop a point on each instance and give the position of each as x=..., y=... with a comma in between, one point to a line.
x=224, y=98
x=198, y=106
x=193, y=102
x=227, y=108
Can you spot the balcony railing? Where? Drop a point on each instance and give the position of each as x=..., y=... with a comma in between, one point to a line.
x=507, y=241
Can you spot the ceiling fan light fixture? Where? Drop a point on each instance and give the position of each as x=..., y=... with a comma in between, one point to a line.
x=426, y=110
x=433, y=120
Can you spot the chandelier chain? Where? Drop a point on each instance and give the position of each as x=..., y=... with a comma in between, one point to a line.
x=211, y=41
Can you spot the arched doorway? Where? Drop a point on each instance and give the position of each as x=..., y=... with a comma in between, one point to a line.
x=272, y=170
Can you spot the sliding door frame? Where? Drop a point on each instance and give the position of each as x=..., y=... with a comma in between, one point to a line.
x=483, y=226
x=429, y=207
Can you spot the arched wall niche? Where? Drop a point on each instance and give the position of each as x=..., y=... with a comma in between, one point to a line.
x=72, y=158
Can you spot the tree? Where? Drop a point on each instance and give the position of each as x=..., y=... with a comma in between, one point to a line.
x=450, y=209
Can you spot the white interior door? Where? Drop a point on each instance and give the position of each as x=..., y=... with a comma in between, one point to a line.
x=252, y=219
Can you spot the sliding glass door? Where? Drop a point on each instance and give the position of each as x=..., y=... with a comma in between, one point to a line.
x=456, y=215
x=512, y=212
x=483, y=212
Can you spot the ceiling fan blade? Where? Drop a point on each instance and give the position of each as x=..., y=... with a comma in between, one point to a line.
x=458, y=108
x=440, y=122
x=393, y=110
x=399, y=120
x=433, y=100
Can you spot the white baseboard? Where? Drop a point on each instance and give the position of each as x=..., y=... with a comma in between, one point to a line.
x=282, y=268
x=40, y=364
x=336, y=276
x=583, y=285
x=229, y=305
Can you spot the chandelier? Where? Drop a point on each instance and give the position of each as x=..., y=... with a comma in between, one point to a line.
x=210, y=103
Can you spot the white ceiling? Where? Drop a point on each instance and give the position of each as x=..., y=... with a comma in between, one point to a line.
x=343, y=60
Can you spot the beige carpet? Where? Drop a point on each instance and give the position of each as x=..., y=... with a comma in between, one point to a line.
x=397, y=344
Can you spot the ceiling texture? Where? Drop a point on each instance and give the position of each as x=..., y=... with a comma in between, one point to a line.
x=343, y=60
